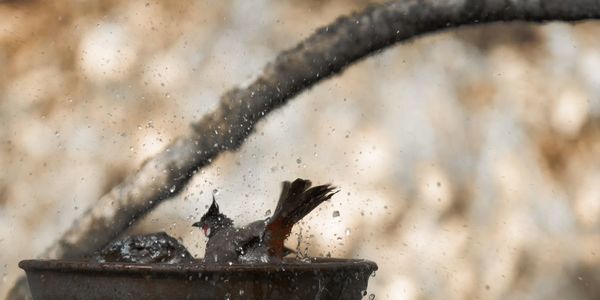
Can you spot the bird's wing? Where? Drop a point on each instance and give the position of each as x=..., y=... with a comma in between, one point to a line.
x=250, y=235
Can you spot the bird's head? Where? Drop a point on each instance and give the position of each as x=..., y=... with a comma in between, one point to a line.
x=213, y=220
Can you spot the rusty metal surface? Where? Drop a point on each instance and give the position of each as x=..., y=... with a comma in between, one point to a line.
x=323, y=278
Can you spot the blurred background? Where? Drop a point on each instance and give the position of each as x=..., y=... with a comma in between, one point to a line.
x=468, y=160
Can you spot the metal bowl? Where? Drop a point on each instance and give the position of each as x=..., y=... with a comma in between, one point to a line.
x=322, y=278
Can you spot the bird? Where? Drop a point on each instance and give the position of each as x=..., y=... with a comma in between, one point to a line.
x=261, y=241
x=153, y=248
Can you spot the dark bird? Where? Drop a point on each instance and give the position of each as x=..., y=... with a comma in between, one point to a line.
x=151, y=248
x=261, y=241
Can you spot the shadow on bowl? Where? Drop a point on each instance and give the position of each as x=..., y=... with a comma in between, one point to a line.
x=321, y=278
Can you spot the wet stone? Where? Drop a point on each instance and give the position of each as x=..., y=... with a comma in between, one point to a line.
x=145, y=249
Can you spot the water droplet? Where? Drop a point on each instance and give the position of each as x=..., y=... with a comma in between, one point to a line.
x=242, y=292
x=348, y=231
x=172, y=189
x=372, y=297
x=336, y=213
x=267, y=213
x=215, y=192
x=299, y=160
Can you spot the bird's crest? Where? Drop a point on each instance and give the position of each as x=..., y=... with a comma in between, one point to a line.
x=214, y=208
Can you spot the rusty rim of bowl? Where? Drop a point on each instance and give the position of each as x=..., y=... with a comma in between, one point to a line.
x=289, y=265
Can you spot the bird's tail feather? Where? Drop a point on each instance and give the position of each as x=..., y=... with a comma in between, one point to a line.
x=297, y=200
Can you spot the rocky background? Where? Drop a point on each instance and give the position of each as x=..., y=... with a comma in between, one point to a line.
x=467, y=160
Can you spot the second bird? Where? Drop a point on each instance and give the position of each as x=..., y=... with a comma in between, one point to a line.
x=261, y=241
